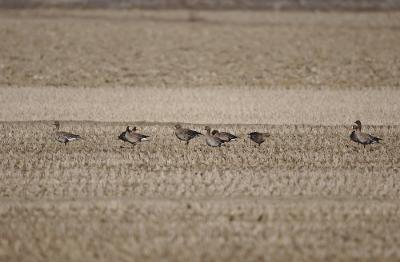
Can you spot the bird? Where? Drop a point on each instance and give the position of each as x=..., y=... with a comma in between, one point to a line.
x=64, y=137
x=185, y=134
x=362, y=138
x=257, y=137
x=130, y=136
x=224, y=136
x=212, y=140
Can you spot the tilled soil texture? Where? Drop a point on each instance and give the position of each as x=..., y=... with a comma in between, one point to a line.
x=297, y=160
x=197, y=49
x=307, y=193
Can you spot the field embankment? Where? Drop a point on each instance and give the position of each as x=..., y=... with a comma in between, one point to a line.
x=202, y=105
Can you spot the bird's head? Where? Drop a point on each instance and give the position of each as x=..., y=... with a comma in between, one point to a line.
x=358, y=124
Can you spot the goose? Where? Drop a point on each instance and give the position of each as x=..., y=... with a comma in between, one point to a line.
x=257, y=137
x=64, y=137
x=362, y=138
x=211, y=140
x=185, y=134
x=130, y=136
x=224, y=136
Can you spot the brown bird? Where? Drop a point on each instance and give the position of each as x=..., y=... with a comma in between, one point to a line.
x=130, y=136
x=224, y=136
x=257, y=137
x=212, y=140
x=64, y=137
x=185, y=134
x=362, y=138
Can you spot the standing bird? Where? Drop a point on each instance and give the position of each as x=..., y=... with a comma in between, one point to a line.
x=224, y=136
x=185, y=134
x=257, y=137
x=64, y=137
x=362, y=138
x=130, y=136
x=212, y=140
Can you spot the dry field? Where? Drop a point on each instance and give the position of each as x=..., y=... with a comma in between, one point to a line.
x=307, y=194
x=232, y=49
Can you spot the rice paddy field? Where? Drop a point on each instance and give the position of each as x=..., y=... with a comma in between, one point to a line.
x=307, y=194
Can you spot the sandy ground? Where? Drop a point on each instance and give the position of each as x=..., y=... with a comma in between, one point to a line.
x=307, y=194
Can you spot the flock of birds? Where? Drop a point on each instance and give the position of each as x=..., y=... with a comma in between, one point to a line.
x=213, y=138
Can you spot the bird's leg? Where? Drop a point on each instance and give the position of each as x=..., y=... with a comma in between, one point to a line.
x=187, y=143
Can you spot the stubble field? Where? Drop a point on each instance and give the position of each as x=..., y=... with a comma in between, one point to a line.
x=307, y=194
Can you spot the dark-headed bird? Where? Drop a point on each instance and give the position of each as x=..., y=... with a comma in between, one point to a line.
x=224, y=136
x=212, y=140
x=64, y=137
x=257, y=137
x=185, y=134
x=130, y=136
x=362, y=138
